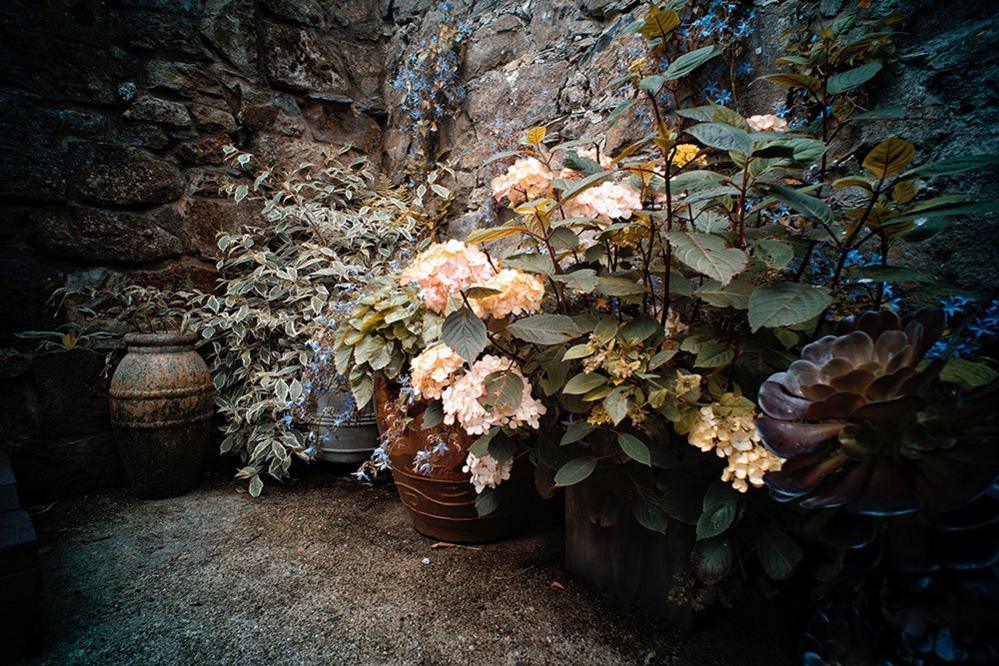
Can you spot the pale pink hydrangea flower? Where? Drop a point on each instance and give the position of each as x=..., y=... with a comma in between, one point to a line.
x=767, y=123
x=461, y=400
x=520, y=293
x=431, y=371
x=486, y=471
x=607, y=201
x=446, y=268
x=525, y=180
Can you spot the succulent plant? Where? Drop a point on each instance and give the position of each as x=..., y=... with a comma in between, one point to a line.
x=864, y=424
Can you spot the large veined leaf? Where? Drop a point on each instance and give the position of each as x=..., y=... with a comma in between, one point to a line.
x=465, y=333
x=575, y=470
x=850, y=79
x=496, y=233
x=503, y=390
x=708, y=254
x=659, y=23
x=616, y=286
x=576, y=432
x=634, y=448
x=688, y=62
x=954, y=165
x=810, y=83
x=779, y=554
x=545, y=329
x=583, y=280
x=967, y=373
x=487, y=501
x=722, y=137
x=889, y=157
x=584, y=383
x=733, y=295
x=803, y=203
x=712, y=559
x=580, y=186
x=650, y=516
x=786, y=303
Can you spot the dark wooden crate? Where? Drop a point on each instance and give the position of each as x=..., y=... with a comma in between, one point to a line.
x=624, y=560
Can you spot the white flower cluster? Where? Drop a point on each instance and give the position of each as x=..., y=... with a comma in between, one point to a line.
x=461, y=400
x=525, y=180
x=431, y=371
x=732, y=435
x=486, y=472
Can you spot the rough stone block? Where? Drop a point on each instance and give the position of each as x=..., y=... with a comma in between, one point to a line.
x=118, y=175
x=102, y=236
x=158, y=110
x=72, y=393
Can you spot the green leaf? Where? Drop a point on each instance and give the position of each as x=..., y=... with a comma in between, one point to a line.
x=650, y=516
x=889, y=157
x=640, y=329
x=661, y=358
x=779, y=554
x=583, y=280
x=577, y=351
x=659, y=23
x=803, y=203
x=777, y=254
x=711, y=559
x=651, y=83
x=722, y=137
x=464, y=333
x=617, y=286
x=503, y=390
x=496, y=233
x=714, y=522
x=954, y=165
x=544, y=329
x=584, y=383
x=634, y=448
x=850, y=79
x=708, y=254
x=576, y=432
x=583, y=165
x=480, y=446
x=580, y=186
x=256, y=486
x=616, y=404
x=433, y=415
x=575, y=470
x=810, y=83
x=688, y=62
x=786, y=303
x=967, y=373
x=487, y=502
x=713, y=354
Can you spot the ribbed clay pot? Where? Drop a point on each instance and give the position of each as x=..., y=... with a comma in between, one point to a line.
x=441, y=504
x=162, y=401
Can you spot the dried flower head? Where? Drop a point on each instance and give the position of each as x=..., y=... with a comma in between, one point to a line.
x=486, y=471
x=607, y=201
x=519, y=293
x=767, y=123
x=432, y=371
x=524, y=180
x=462, y=400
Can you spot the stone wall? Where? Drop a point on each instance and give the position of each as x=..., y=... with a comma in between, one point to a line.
x=114, y=114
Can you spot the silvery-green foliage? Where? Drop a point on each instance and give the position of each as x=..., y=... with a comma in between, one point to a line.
x=325, y=231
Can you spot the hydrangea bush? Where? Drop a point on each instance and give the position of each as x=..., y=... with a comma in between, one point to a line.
x=636, y=302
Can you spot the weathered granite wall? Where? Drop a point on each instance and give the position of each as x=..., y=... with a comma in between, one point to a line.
x=114, y=112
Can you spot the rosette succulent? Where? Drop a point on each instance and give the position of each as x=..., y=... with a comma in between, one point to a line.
x=864, y=424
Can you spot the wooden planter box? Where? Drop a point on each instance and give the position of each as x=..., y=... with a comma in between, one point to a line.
x=624, y=560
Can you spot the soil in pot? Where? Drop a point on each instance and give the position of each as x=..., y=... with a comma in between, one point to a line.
x=162, y=402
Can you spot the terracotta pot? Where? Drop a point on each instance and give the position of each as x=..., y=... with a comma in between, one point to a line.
x=351, y=441
x=441, y=504
x=162, y=401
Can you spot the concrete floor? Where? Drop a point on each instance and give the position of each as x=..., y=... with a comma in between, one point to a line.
x=326, y=571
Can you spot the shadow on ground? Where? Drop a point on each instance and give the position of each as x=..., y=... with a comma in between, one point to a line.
x=325, y=572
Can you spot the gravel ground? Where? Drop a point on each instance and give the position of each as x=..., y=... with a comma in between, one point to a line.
x=328, y=572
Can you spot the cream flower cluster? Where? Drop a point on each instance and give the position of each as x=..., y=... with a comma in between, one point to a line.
x=607, y=201
x=461, y=400
x=767, y=123
x=519, y=293
x=524, y=180
x=431, y=371
x=446, y=268
x=734, y=437
x=486, y=471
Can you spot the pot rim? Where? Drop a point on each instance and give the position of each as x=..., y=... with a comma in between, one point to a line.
x=167, y=339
